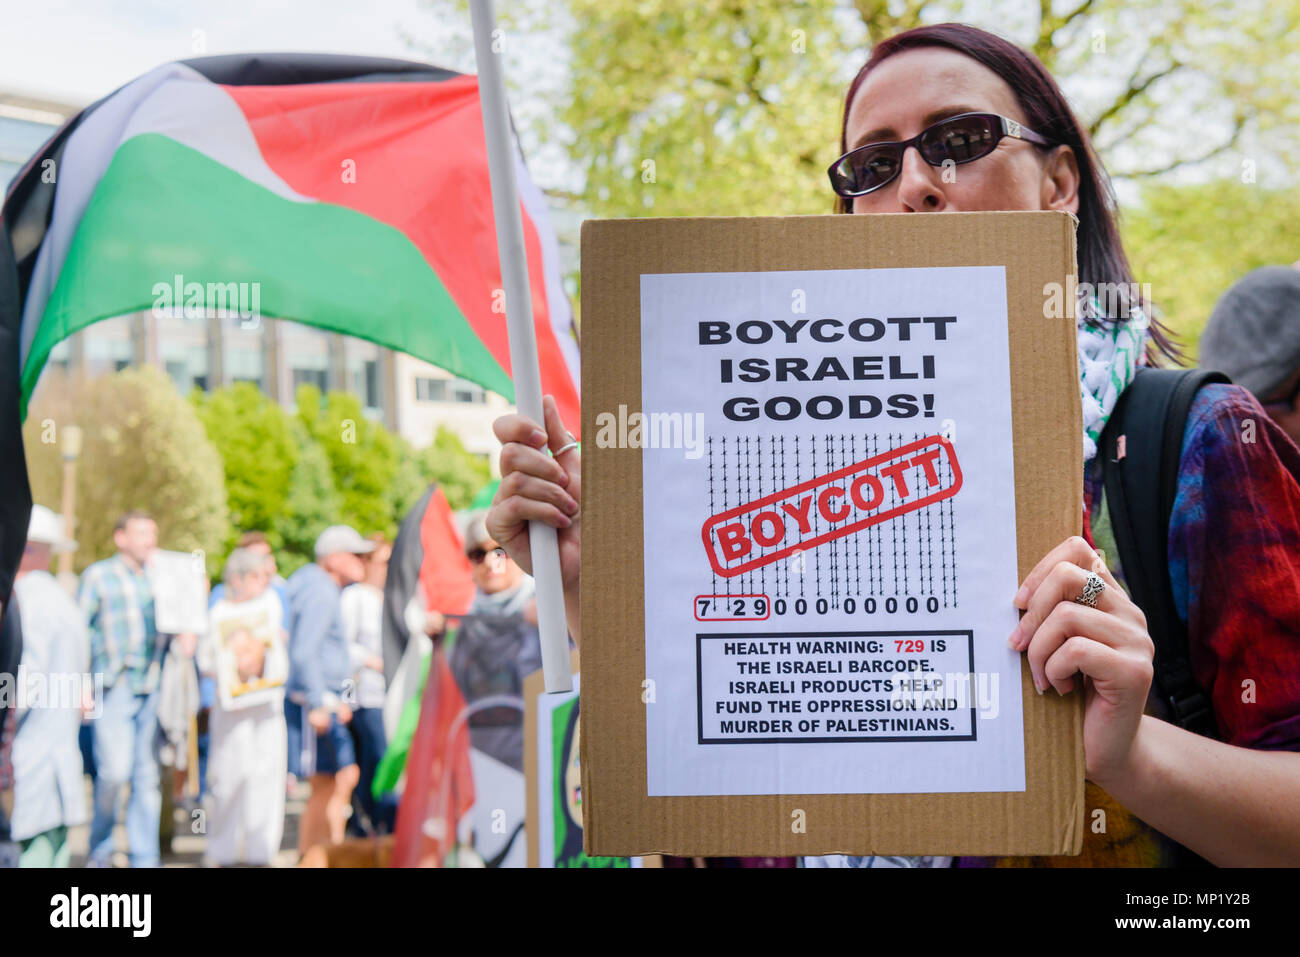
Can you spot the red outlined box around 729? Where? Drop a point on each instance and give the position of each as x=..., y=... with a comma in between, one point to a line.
x=782, y=520
x=728, y=598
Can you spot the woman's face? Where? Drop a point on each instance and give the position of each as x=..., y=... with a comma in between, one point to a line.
x=496, y=571
x=913, y=90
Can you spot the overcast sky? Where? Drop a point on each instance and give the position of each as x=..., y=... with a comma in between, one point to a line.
x=82, y=49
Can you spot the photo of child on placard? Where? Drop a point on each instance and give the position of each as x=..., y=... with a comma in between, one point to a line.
x=251, y=657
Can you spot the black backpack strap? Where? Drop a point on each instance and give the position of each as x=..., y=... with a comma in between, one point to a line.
x=1147, y=427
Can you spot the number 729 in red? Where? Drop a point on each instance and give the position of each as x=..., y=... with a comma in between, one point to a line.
x=906, y=645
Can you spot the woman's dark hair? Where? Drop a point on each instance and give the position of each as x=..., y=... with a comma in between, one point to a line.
x=1101, y=253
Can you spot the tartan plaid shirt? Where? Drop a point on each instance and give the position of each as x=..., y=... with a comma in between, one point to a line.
x=117, y=601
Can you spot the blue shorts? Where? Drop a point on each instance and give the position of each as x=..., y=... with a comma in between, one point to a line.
x=334, y=748
x=294, y=719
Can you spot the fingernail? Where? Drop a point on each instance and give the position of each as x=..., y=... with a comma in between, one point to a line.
x=538, y=438
x=1021, y=595
x=1037, y=686
x=564, y=479
x=1014, y=640
x=565, y=522
x=570, y=506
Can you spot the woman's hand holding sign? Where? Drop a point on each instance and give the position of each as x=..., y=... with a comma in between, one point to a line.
x=1107, y=642
x=539, y=486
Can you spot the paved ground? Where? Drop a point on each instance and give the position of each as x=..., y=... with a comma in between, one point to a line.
x=187, y=847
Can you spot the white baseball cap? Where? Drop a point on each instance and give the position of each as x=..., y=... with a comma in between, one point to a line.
x=342, y=538
x=46, y=527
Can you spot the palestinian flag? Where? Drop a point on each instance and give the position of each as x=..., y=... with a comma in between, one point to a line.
x=346, y=193
x=439, y=780
x=428, y=564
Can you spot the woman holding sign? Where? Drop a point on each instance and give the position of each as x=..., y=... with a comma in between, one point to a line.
x=951, y=118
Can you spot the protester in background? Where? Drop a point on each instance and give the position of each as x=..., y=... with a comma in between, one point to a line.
x=49, y=796
x=125, y=647
x=246, y=768
x=258, y=544
x=497, y=646
x=1254, y=336
x=363, y=618
x=320, y=667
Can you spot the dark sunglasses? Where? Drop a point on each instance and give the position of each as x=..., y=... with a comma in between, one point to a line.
x=477, y=555
x=961, y=138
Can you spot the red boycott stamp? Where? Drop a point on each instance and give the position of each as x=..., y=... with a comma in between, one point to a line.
x=848, y=500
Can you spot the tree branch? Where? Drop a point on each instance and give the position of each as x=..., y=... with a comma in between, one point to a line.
x=1074, y=14
x=1134, y=90
x=1046, y=28
x=1239, y=123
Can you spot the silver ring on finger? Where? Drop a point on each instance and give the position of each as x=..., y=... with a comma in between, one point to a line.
x=1093, y=586
x=564, y=448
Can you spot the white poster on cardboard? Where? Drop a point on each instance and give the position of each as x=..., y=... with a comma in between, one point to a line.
x=830, y=532
x=180, y=591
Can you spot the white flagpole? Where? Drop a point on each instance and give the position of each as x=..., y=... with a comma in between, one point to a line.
x=542, y=540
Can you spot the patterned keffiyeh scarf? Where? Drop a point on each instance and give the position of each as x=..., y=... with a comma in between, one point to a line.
x=1109, y=356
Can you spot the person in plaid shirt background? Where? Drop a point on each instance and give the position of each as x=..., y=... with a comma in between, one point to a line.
x=116, y=598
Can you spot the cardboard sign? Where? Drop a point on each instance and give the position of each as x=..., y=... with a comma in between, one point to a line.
x=821, y=454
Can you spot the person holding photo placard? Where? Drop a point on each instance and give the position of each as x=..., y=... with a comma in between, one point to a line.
x=245, y=652
x=949, y=118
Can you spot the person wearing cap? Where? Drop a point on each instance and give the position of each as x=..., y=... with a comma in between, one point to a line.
x=49, y=796
x=1254, y=336
x=320, y=668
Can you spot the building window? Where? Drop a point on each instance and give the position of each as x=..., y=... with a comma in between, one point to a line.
x=179, y=371
x=430, y=390
x=462, y=391
x=317, y=377
x=244, y=365
x=365, y=383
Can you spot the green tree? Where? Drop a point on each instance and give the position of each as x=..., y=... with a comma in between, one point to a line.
x=312, y=503
x=718, y=107
x=363, y=457
x=143, y=447
x=460, y=473
x=255, y=439
x=1192, y=242
x=410, y=479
